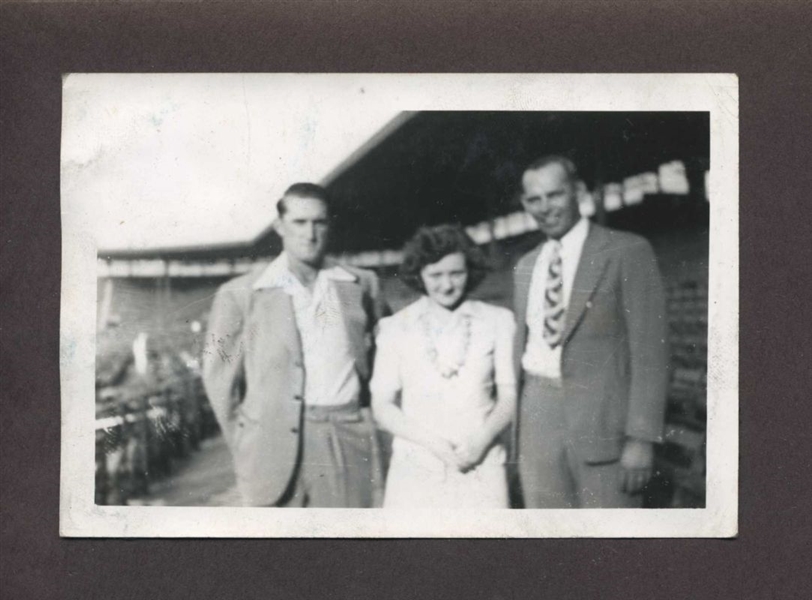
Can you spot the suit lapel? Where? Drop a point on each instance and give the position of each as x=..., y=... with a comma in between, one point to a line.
x=350, y=298
x=587, y=276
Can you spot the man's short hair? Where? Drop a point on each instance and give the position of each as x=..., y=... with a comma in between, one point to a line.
x=302, y=190
x=555, y=159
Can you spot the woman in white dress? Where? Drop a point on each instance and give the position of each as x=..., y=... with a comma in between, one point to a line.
x=444, y=384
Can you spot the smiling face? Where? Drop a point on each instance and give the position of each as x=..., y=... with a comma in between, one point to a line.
x=551, y=198
x=304, y=229
x=445, y=281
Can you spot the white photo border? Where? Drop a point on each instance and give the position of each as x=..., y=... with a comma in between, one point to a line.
x=715, y=93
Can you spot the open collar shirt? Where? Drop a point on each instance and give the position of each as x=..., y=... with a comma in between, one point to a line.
x=331, y=378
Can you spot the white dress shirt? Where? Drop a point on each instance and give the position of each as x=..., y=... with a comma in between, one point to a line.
x=539, y=358
x=330, y=375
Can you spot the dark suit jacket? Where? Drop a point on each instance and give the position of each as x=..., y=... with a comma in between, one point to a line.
x=614, y=354
x=253, y=372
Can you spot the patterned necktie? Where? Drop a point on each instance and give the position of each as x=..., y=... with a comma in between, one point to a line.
x=554, y=309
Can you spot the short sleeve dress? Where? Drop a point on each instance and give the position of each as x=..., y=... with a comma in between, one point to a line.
x=408, y=363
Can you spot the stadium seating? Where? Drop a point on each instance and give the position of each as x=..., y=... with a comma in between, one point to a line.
x=681, y=459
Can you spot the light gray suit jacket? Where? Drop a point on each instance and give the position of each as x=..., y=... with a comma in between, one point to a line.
x=253, y=372
x=615, y=353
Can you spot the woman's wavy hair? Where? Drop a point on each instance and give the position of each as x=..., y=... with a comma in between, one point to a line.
x=431, y=244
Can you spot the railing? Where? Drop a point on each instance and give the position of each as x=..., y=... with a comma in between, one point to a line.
x=141, y=433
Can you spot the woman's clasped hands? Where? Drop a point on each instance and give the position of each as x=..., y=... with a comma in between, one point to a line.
x=462, y=455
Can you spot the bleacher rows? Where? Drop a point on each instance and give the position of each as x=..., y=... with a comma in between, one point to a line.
x=681, y=459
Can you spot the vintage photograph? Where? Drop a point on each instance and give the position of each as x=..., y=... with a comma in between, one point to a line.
x=479, y=305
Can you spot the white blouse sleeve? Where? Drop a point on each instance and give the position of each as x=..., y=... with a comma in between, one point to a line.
x=503, y=350
x=386, y=379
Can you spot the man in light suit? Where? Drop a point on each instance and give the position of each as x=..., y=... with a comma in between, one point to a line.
x=287, y=368
x=591, y=349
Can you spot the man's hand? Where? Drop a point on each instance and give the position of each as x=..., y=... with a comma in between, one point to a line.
x=636, y=463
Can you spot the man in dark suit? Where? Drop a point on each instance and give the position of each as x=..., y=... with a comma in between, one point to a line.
x=591, y=349
x=287, y=367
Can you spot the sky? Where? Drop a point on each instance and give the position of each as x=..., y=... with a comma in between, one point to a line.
x=174, y=160
x=155, y=161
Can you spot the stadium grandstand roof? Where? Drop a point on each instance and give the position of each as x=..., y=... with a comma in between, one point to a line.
x=431, y=167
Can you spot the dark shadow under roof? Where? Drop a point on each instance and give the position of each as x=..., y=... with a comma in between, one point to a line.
x=465, y=167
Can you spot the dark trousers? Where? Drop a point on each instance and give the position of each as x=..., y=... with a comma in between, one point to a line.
x=552, y=475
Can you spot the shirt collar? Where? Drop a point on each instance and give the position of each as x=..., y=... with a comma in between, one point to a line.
x=575, y=237
x=466, y=308
x=278, y=274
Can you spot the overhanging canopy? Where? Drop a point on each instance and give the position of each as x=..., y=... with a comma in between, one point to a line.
x=434, y=167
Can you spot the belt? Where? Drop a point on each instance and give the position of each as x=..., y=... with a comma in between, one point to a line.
x=548, y=381
x=343, y=413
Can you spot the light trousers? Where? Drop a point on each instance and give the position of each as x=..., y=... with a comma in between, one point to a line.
x=339, y=461
x=552, y=474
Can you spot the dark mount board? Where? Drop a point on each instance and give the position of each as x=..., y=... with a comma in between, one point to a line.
x=765, y=44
